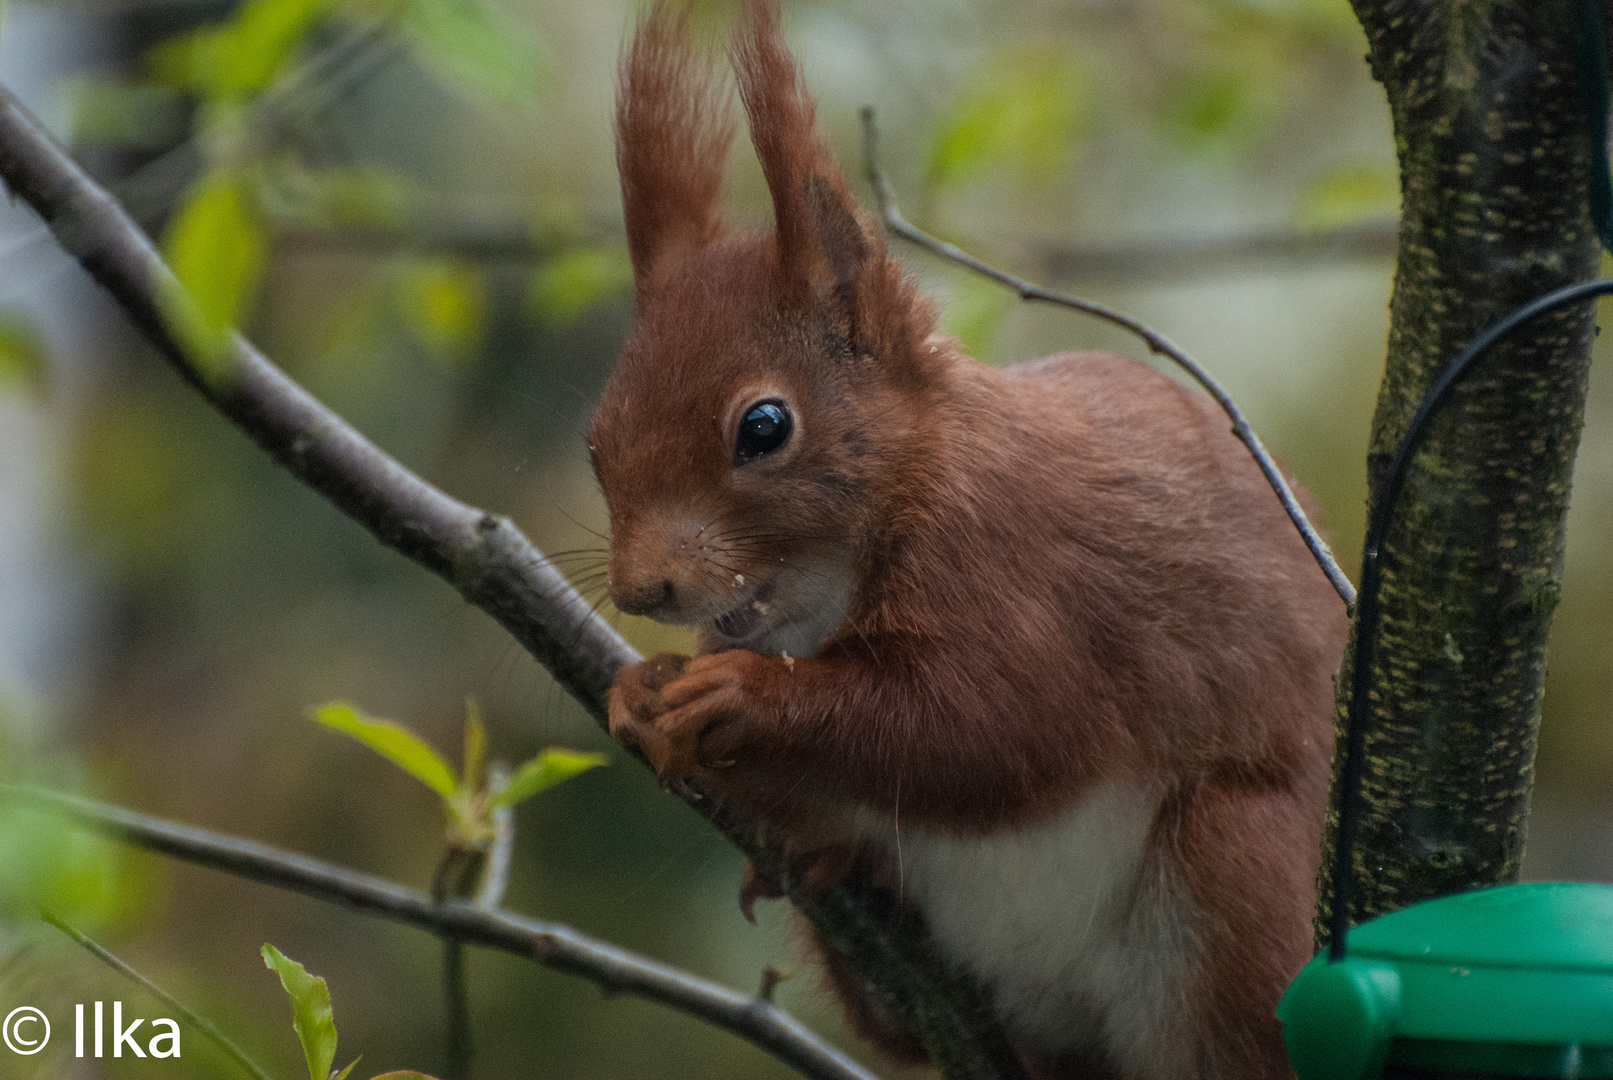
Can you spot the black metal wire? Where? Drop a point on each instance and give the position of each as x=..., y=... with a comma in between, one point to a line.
x=1366, y=626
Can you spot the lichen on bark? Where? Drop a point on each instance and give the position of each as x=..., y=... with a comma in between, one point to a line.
x=1492, y=143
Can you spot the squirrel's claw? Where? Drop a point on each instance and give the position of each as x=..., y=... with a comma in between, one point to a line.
x=756, y=886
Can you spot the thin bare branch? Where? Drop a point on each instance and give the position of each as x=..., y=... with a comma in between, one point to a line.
x=1157, y=342
x=494, y=567
x=1176, y=259
x=455, y=878
x=506, y=241
x=554, y=945
x=217, y=1037
x=486, y=242
x=456, y=1004
x=496, y=873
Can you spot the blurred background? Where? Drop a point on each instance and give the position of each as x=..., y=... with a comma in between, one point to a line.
x=411, y=205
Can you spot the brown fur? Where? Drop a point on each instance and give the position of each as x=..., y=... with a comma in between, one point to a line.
x=1056, y=575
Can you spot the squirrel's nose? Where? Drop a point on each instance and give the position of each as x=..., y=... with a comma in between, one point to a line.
x=646, y=597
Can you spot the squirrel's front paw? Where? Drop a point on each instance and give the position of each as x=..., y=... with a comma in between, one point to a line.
x=691, y=718
x=634, y=700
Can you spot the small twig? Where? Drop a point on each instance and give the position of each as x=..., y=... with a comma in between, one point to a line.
x=771, y=977
x=456, y=1004
x=1158, y=343
x=496, y=872
x=554, y=945
x=455, y=877
x=493, y=868
x=492, y=241
x=213, y=1034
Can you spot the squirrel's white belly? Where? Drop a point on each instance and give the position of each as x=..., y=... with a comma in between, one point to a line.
x=1079, y=936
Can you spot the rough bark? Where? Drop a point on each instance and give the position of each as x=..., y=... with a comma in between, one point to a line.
x=1493, y=157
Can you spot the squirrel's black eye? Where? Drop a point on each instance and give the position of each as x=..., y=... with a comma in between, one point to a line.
x=765, y=427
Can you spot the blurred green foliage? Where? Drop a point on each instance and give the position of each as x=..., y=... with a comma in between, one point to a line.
x=22, y=353
x=55, y=866
x=444, y=303
x=330, y=196
x=479, y=47
x=46, y=863
x=570, y=284
x=243, y=77
x=138, y=115
x=975, y=313
x=233, y=61
x=1347, y=194
x=1024, y=113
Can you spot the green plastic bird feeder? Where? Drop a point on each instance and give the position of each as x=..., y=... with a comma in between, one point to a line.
x=1510, y=981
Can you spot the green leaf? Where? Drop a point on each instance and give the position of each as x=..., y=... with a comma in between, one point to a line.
x=240, y=58
x=546, y=770
x=566, y=286
x=310, y=1011
x=343, y=1074
x=1026, y=110
x=475, y=747
x=444, y=304
x=22, y=353
x=474, y=45
x=404, y=1074
x=215, y=245
x=397, y=744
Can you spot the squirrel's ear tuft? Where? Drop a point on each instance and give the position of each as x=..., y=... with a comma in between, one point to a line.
x=672, y=134
x=826, y=244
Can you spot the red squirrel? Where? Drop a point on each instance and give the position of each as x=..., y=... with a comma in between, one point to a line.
x=1038, y=641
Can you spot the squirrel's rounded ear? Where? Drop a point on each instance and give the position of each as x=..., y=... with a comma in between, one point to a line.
x=673, y=129
x=826, y=243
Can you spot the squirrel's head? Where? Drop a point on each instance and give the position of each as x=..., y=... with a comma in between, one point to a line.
x=752, y=433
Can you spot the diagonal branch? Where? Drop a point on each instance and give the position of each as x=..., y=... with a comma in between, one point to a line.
x=553, y=945
x=892, y=217
x=497, y=569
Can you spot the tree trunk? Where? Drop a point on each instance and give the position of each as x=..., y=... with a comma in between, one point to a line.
x=1494, y=153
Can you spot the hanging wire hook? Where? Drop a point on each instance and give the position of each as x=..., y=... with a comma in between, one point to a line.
x=1371, y=577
